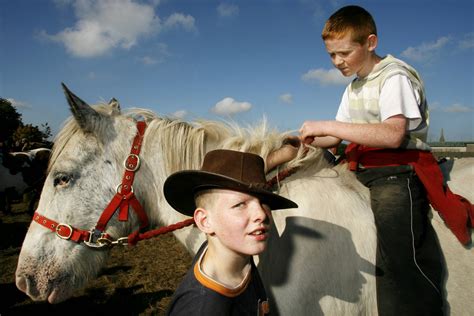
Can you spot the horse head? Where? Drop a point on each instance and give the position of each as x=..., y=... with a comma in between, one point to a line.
x=85, y=168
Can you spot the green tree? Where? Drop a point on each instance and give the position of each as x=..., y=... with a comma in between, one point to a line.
x=10, y=120
x=30, y=136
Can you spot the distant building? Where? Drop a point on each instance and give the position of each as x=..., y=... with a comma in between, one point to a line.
x=441, y=138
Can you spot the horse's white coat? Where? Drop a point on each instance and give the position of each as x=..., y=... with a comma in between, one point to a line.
x=320, y=256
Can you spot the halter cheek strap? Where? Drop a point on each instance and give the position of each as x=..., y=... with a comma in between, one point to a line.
x=124, y=198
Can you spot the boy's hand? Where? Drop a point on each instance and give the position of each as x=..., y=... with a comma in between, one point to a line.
x=308, y=140
x=309, y=130
x=292, y=140
x=318, y=134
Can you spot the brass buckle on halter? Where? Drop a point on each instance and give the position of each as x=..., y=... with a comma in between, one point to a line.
x=131, y=167
x=61, y=236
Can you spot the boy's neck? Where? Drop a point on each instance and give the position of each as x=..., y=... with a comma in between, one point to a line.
x=373, y=60
x=225, y=266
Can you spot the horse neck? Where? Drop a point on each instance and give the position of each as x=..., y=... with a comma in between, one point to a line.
x=168, y=147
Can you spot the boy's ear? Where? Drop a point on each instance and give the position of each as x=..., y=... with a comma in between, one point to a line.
x=372, y=41
x=202, y=220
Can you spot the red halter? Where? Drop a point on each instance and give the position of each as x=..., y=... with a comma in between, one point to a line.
x=122, y=200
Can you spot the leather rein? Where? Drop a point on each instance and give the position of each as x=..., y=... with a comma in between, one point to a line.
x=122, y=200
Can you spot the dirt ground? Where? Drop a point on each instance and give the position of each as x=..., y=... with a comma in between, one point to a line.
x=137, y=280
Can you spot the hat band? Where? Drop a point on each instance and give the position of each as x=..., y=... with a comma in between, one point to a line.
x=251, y=186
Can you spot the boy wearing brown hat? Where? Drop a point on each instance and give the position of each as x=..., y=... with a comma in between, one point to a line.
x=231, y=205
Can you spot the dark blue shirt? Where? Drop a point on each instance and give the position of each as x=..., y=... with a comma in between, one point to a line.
x=200, y=295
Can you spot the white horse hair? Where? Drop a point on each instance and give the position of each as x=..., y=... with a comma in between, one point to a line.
x=320, y=258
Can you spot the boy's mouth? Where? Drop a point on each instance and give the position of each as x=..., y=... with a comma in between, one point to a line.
x=259, y=231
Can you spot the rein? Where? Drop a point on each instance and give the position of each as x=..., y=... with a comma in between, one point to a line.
x=122, y=200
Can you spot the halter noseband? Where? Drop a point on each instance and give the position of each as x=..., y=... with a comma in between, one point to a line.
x=122, y=200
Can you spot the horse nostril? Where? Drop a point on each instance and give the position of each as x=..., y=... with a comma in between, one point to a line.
x=27, y=285
x=21, y=284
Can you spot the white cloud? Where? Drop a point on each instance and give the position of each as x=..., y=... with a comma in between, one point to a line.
x=227, y=10
x=157, y=55
x=434, y=106
x=458, y=108
x=147, y=60
x=326, y=77
x=19, y=104
x=103, y=25
x=467, y=42
x=229, y=106
x=453, y=108
x=425, y=51
x=180, y=114
x=177, y=20
x=286, y=98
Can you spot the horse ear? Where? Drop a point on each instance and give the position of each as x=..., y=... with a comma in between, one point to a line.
x=88, y=119
x=115, y=106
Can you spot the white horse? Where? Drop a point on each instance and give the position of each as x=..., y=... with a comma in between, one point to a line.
x=320, y=259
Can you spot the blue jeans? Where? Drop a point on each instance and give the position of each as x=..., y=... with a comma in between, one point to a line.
x=409, y=260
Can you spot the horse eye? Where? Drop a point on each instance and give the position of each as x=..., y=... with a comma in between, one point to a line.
x=62, y=179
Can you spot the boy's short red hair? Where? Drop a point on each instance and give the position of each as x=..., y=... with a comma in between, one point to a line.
x=350, y=19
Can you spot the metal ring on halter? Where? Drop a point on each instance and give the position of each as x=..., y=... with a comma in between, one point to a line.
x=118, y=189
x=61, y=236
x=135, y=168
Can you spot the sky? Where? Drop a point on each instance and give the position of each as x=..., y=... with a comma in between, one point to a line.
x=224, y=60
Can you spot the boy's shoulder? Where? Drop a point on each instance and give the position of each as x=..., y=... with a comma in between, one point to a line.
x=192, y=298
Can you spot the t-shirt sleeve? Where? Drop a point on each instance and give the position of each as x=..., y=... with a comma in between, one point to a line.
x=398, y=97
x=343, y=114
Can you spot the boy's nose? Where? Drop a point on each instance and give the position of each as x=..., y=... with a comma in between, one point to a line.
x=338, y=61
x=260, y=213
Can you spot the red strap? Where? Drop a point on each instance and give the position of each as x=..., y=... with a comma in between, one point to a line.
x=64, y=231
x=456, y=211
x=125, y=196
x=135, y=237
x=108, y=212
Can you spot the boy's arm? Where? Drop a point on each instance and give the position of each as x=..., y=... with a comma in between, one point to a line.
x=388, y=134
x=324, y=141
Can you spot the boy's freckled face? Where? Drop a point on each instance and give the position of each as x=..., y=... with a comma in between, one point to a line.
x=240, y=222
x=348, y=56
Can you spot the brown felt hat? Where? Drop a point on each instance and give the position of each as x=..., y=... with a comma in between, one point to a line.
x=222, y=169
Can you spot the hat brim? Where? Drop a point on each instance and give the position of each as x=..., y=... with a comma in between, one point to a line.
x=180, y=188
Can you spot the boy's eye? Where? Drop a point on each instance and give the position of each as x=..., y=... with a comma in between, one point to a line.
x=239, y=205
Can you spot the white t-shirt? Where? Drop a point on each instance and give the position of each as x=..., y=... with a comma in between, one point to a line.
x=396, y=97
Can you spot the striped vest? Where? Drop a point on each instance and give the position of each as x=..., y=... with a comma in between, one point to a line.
x=364, y=95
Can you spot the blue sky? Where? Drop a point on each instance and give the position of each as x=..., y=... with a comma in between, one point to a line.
x=219, y=59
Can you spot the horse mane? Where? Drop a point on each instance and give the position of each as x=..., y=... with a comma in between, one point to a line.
x=194, y=138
